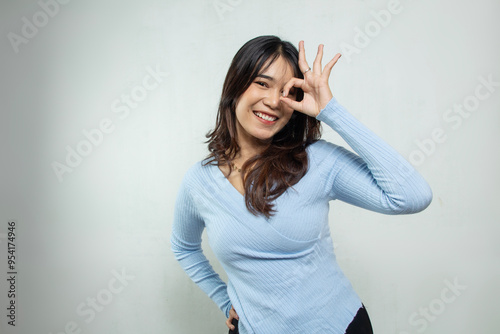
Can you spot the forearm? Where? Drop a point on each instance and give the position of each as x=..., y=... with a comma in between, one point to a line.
x=395, y=184
x=198, y=268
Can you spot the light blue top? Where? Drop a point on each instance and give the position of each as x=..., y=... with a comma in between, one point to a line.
x=282, y=271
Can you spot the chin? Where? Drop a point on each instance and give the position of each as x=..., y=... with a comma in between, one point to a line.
x=264, y=138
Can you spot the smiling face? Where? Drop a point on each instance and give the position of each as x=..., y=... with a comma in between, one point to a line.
x=259, y=111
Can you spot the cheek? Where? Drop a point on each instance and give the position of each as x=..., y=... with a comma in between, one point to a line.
x=240, y=106
x=288, y=112
x=285, y=119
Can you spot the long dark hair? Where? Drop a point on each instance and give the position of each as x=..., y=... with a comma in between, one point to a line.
x=268, y=175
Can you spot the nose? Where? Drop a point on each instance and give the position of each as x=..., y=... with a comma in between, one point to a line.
x=272, y=100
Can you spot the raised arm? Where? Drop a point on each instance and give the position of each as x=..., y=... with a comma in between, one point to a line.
x=379, y=179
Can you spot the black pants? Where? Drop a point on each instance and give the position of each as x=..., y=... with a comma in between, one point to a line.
x=359, y=325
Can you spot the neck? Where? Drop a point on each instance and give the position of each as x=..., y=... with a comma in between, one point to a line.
x=250, y=147
x=248, y=151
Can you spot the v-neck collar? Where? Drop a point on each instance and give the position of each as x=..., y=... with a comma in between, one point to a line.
x=230, y=197
x=227, y=191
x=220, y=177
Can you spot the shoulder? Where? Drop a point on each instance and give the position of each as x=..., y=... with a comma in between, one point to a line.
x=323, y=155
x=194, y=181
x=196, y=168
x=197, y=172
x=322, y=149
x=321, y=146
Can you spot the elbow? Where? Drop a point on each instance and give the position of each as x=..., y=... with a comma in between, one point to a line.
x=177, y=251
x=183, y=249
x=423, y=199
x=421, y=204
x=176, y=248
x=415, y=203
x=426, y=199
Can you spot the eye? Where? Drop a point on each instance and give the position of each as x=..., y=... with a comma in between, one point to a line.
x=262, y=84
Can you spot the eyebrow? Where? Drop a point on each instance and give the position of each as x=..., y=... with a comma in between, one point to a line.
x=265, y=77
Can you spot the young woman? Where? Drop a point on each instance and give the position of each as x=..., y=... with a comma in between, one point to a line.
x=263, y=195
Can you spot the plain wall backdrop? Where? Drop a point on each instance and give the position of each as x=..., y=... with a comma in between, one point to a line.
x=105, y=105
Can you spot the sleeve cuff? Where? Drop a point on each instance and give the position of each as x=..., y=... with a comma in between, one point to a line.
x=331, y=105
x=332, y=112
x=227, y=309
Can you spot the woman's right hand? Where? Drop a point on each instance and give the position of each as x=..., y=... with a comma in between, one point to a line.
x=232, y=315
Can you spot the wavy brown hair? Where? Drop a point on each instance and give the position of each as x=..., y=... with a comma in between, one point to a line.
x=284, y=162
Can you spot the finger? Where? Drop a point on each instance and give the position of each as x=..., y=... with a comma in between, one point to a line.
x=328, y=67
x=291, y=103
x=317, y=61
x=229, y=324
x=293, y=82
x=302, y=58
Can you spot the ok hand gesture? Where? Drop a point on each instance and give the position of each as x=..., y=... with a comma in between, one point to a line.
x=317, y=92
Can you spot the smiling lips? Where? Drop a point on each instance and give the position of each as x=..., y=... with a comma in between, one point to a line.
x=265, y=117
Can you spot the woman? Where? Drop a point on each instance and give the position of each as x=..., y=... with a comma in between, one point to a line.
x=263, y=195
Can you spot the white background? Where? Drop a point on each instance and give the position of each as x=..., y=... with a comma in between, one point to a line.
x=113, y=212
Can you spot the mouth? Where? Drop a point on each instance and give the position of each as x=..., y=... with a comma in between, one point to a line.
x=265, y=117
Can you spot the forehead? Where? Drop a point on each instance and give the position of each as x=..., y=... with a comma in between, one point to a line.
x=279, y=70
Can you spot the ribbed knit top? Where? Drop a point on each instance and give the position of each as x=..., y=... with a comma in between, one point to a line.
x=283, y=276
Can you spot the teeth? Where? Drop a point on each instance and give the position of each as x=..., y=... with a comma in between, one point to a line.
x=266, y=117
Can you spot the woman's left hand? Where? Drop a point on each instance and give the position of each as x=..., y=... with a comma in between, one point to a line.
x=317, y=92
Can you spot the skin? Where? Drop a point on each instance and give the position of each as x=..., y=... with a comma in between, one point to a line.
x=262, y=96
x=274, y=95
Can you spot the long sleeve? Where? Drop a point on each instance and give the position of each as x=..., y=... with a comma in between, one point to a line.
x=378, y=178
x=185, y=241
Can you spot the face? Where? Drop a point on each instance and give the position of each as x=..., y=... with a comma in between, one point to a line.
x=259, y=111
